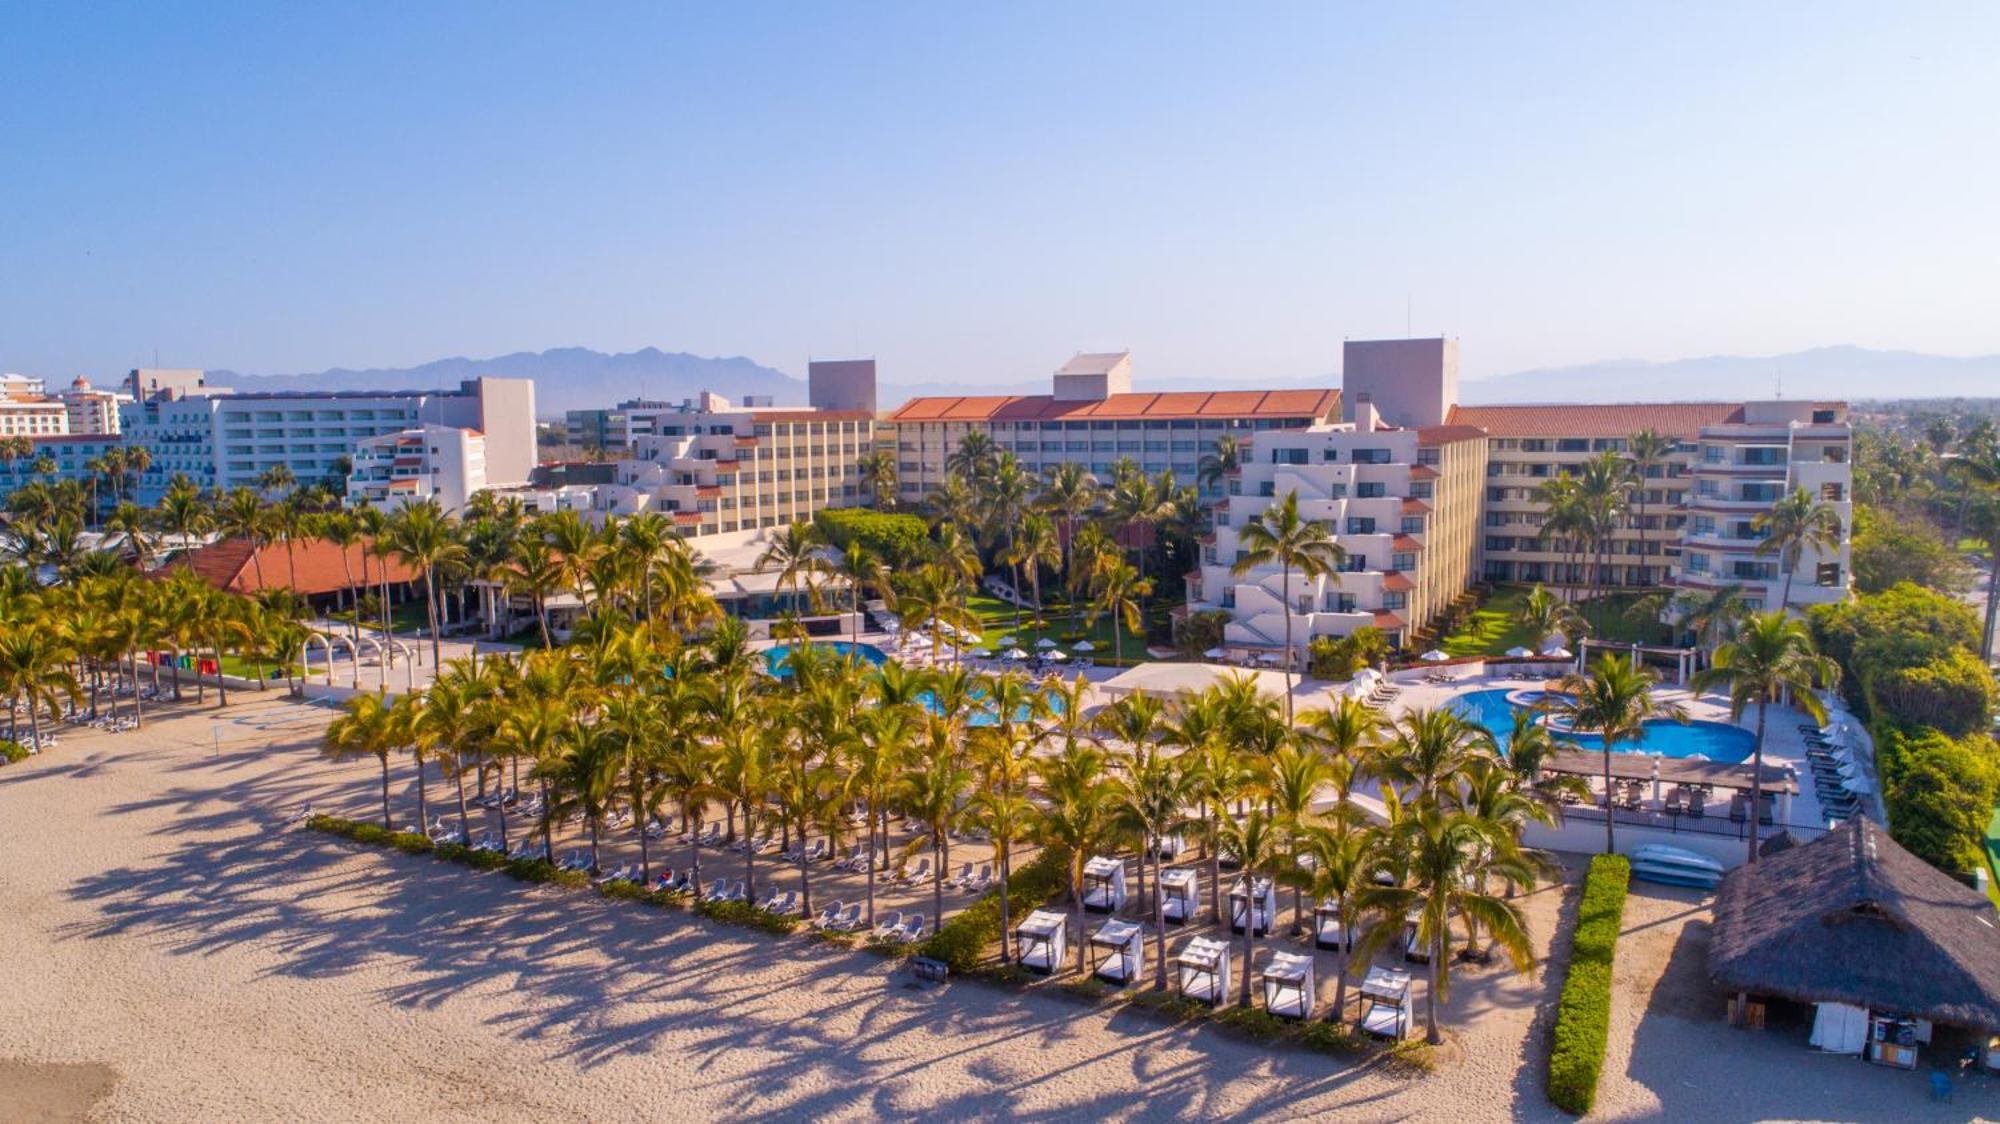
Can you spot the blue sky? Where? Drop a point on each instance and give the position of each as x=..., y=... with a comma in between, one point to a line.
x=975, y=191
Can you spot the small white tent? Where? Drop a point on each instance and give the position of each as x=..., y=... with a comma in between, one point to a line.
x=1202, y=970
x=1118, y=951
x=1179, y=890
x=1328, y=933
x=1288, y=985
x=1259, y=913
x=1104, y=885
x=1041, y=940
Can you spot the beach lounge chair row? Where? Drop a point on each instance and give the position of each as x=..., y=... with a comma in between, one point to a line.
x=892, y=925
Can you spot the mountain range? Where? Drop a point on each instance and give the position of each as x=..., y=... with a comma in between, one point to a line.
x=571, y=378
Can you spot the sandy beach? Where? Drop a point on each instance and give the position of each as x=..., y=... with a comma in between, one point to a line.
x=175, y=953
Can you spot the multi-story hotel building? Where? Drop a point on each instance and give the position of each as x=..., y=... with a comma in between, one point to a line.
x=1093, y=418
x=443, y=463
x=1691, y=522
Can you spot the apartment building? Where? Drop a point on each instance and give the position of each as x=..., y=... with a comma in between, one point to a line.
x=1093, y=418
x=440, y=463
x=1402, y=504
x=90, y=410
x=1761, y=452
x=222, y=439
x=33, y=416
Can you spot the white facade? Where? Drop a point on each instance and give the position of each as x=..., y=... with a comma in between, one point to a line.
x=433, y=462
x=33, y=416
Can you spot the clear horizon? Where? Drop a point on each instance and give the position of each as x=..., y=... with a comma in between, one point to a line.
x=971, y=195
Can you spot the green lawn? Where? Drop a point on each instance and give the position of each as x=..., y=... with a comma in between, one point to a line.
x=997, y=620
x=1492, y=629
x=408, y=616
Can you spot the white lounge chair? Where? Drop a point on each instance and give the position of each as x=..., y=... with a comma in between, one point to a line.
x=963, y=876
x=918, y=876
x=849, y=919
x=885, y=926
x=828, y=916
x=912, y=928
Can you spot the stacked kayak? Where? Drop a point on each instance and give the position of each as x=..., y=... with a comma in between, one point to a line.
x=1676, y=866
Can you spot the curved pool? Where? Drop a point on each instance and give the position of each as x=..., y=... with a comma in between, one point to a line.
x=1714, y=741
x=989, y=715
x=777, y=660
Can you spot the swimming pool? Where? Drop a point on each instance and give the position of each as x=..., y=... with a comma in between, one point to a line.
x=777, y=662
x=1715, y=741
x=989, y=715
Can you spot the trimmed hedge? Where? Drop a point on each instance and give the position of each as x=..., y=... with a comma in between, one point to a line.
x=1583, y=1015
x=961, y=942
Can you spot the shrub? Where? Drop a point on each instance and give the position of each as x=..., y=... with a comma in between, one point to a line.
x=622, y=890
x=1411, y=1058
x=450, y=852
x=10, y=752
x=1253, y=1022
x=1198, y=632
x=1952, y=690
x=411, y=842
x=1090, y=989
x=1583, y=1015
x=1939, y=793
x=894, y=538
x=961, y=942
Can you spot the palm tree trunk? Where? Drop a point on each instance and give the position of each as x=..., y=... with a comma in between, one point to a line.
x=548, y=821
x=464, y=820
x=431, y=609
x=1287, y=586
x=1159, y=928
x=1076, y=900
x=1340, y=957
x=1249, y=937
x=596, y=867
x=1992, y=601
x=138, y=705
x=693, y=818
x=749, y=855
x=942, y=844
x=869, y=850
x=639, y=821
x=386, y=825
x=1431, y=1032
x=221, y=688
x=805, y=876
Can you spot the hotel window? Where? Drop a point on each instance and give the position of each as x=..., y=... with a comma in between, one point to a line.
x=1828, y=573
x=1832, y=492
x=1499, y=542
x=1394, y=601
x=1413, y=524
x=1371, y=456
x=1822, y=417
x=1288, y=456
x=1360, y=525
x=1420, y=490
x=1427, y=456
x=1267, y=488
x=1329, y=456
x=1403, y=560
x=1367, y=490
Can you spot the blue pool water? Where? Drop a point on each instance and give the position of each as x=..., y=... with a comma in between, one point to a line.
x=987, y=716
x=1716, y=741
x=778, y=663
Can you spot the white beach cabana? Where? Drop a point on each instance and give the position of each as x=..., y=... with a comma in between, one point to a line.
x=1201, y=970
x=1118, y=951
x=1104, y=884
x=1179, y=889
x=1385, y=1002
x=1258, y=913
x=1328, y=933
x=1288, y=985
x=1041, y=940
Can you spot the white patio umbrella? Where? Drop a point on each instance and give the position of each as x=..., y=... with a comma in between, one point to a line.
x=1435, y=655
x=1212, y=653
x=1016, y=654
x=1007, y=641
x=1557, y=653
x=1083, y=646
x=1518, y=652
x=1045, y=643
x=981, y=653
x=1054, y=655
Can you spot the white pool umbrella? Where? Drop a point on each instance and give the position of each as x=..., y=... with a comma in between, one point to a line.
x=1006, y=641
x=1053, y=655
x=1084, y=646
x=1212, y=653
x=1045, y=643
x=1435, y=655
x=981, y=654
x=1016, y=654
x=1518, y=652
x=1557, y=653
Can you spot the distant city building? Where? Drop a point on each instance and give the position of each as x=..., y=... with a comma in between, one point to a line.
x=90, y=410
x=841, y=384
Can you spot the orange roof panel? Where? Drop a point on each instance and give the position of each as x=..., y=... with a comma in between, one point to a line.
x=1674, y=419
x=1311, y=405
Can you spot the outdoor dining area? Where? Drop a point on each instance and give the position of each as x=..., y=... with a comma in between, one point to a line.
x=1685, y=794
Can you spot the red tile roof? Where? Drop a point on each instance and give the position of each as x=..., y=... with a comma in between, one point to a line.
x=229, y=565
x=1674, y=419
x=1416, y=507
x=1313, y=404
x=1407, y=542
x=1449, y=434
x=1423, y=472
x=1396, y=581
x=1388, y=620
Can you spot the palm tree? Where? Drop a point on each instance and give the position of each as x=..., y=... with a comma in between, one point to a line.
x=1602, y=494
x=1216, y=466
x=1006, y=490
x=884, y=738
x=1257, y=841
x=1771, y=658
x=796, y=553
x=878, y=475
x=536, y=572
x=586, y=770
x=1077, y=817
x=1280, y=537
x=1069, y=495
x=1289, y=781
x=1342, y=866
x=242, y=515
x=1450, y=855
x=449, y=719
x=1562, y=523
x=933, y=790
x=1429, y=750
x=973, y=457
x=1713, y=616
x=1146, y=801
x=367, y=727
x=1792, y=526
x=1648, y=450
x=1036, y=545
x=34, y=667
x=1544, y=615
x=1614, y=701
x=1121, y=592
x=425, y=538
x=862, y=571
x=742, y=758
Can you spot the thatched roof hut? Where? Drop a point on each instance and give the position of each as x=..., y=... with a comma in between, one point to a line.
x=1853, y=918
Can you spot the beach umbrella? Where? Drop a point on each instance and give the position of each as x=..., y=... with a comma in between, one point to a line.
x=981, y=653
x=1056, y=656
x=1212, y=653
x=1518, y=652
x=1045, y=643
x=1006, y=641
x=1557, y=653
x=1016, y=654
x=1435, y=655
x=1084, y=646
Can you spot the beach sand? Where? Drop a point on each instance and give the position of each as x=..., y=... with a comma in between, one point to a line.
x=203, y=962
